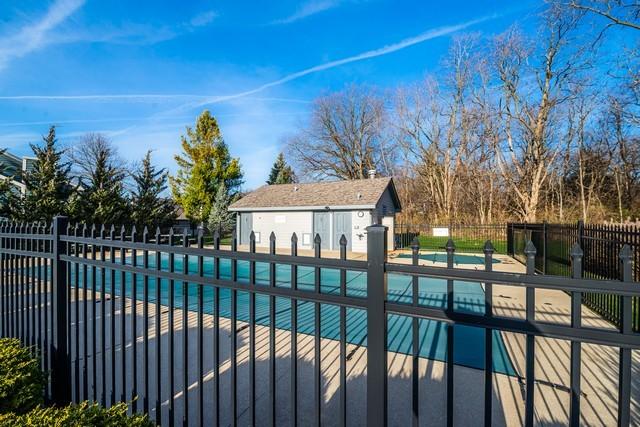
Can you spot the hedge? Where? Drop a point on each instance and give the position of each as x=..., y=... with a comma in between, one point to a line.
x=21, y=380
x=83, y=414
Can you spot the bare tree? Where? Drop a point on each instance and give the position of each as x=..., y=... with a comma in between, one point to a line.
x=435, y=123
x=616, y=12
x=534, y=85
x=344, y=138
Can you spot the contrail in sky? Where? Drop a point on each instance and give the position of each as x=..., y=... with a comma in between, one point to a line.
x=200, y=100
x=411, y=41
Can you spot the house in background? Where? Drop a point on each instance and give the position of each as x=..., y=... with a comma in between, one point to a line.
x=329, y=209
x=13, y=167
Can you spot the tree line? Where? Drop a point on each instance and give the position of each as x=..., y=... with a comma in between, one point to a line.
x=91, y=183
x=510, y=127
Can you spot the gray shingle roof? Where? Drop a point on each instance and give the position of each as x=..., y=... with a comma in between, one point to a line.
x=361, y=193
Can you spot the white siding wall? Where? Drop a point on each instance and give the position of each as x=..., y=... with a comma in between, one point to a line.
x=283, y=224
x=359, y=230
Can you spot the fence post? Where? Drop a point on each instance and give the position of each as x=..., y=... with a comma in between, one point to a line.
x=376, y=326
x=60, y=369
x=581, y=243
x=544, y=247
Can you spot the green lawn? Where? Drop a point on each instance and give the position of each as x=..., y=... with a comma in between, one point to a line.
x=462, y=244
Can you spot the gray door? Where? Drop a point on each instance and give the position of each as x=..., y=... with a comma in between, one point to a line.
x=246, y=225
x=341, y=225
x=322, y=227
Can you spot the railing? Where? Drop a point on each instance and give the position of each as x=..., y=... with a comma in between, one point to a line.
x=601, y=244
x=129, y=317
x=468, y=237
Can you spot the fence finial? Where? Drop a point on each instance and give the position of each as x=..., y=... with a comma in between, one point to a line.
x=488, y=247
x=626, y=263
x=450, y=246
x=576, y=250
x=272, y=237
x=343, y=240
x=415, y=243
x=294, y=238
x=530, y=248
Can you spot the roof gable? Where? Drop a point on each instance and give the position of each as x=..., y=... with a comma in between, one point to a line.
x=361, y=193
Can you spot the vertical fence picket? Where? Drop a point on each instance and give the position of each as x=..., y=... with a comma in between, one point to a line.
x=200, y=321
x=103, y=314
x=171, y=332
x=134, y=322
x=530, y=252
x=415, y=331
x=488, y=336
x=112, y=306
x=450, y=248
x=293, y=390
x=158, y=326
x=185, y=333
x=624, y=375
x=576, y=349
x=85, y=316
x=317, y=368
x=216, y=329
x=252, y=331
x=234, y=334
x=145, y=322
x=343, y=336
x=94, y=318
x=123, y=318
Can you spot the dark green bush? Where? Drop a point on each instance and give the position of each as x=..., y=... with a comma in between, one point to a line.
x=21, y=380
x=83, y=414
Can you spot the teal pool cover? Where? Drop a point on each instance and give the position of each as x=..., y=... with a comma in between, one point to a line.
x=469, y=297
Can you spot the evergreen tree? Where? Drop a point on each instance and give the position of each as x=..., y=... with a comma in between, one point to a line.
x=204, y=165
x=10, y=200
x=148, y=206
x=220, y=217
x=101, y=197
x=47, y=183
x=281, y=172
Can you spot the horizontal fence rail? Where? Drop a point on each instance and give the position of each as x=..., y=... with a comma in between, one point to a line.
x=199, y=334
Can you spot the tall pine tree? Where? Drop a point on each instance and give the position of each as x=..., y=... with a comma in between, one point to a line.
x=100, y=198
x=205, y=163
x=148, y=205
x=47, y=183
x=281, y=172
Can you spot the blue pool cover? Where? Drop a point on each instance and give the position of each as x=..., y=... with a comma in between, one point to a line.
x=468, y=297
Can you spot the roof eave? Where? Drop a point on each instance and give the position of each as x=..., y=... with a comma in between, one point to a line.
x=299, y=208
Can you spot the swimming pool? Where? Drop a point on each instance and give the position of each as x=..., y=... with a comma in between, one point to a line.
x=458, y=259
x=469, y=341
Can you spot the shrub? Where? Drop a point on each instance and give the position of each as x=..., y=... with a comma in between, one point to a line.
x=21, y=380
x=83, y=414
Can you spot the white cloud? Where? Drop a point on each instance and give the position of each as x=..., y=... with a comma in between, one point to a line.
x=34, y=36
x=307, y=9
x=204, y=18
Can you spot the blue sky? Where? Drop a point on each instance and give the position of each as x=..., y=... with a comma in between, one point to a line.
x=140, y=71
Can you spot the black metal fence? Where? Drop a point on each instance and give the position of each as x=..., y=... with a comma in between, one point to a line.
x=468, y=237
x=601, y=244
x=128, y=317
